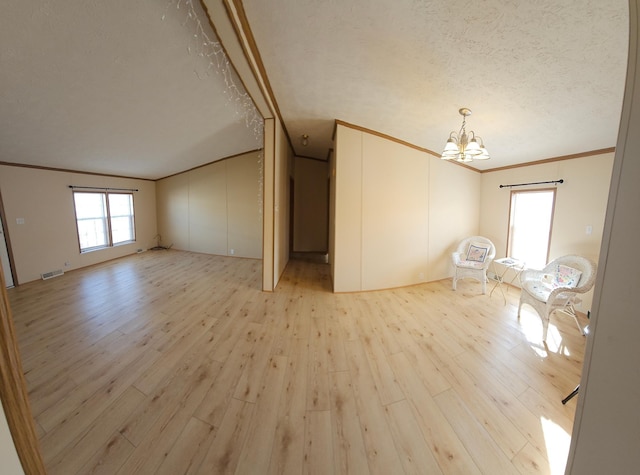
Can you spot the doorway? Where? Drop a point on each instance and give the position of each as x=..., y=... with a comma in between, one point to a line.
x=4, y=251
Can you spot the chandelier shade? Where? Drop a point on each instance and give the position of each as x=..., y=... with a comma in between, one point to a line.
x=462, y=147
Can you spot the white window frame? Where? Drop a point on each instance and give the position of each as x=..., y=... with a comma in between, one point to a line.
x=107, y=219
x=511, y=252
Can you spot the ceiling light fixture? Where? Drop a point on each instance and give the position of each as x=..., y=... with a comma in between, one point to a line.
x=462, y=147
x=305, y=140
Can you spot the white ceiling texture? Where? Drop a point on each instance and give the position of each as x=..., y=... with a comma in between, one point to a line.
x=127, y=88
x=115, y=87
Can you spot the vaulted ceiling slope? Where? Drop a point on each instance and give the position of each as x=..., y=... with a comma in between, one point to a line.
x=543, y=79
x=121, y=88
x=115, y=87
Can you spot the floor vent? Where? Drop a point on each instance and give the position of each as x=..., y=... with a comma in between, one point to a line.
x=52, y=274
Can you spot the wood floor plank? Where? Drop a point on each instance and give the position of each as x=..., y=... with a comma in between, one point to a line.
x=100, y=362
x=224, y=452
x=86, y=330
x=84, y=409
x=475, y=389
x=288, y=447
x=529, y=461
x=99, y=434
x=381, y=452
x=188, y=452
x=486, y=453
x=385, y=381
x=345, y=312
x=160, y=405
x=60, y=363
x=348, y=446
x=256, y=362
x=40, y=432
x=410, y=442
x=215, y=403
x=447, y=448
x=50, y=392
x=300, y=308
x=420, y=321
x=154, y=449
x=317, y=373
x=112, y=372
x=318, y=446
x=147, y=317
x=334, y=332
x=103, y=323
x=418, y=351
x=378, y=311
x=185, y=338
x=137, y=365
x=110, y=457
x=560, y=414
x=37, y=360
x=546, y=366
x=239, y=314
x=520, y=416
x=280, y=321
x=493, y=367
x=257, y=448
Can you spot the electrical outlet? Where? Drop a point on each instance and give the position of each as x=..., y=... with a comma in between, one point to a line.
x=232, y=251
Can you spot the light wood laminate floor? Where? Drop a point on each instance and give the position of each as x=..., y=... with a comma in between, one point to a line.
x=174, y=362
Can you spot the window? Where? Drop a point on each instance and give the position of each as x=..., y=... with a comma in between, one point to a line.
x=103, y=219
x=530, y=219
x=121, y=212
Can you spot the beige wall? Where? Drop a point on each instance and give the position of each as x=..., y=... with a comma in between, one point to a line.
x=395, y=214
x=283, y=165
x=393, y=226
x=580, y=201
x=347, y=241
x=244, y=217
x=9, y=460
x=213, y=209
x=48, y=238
x=277, y=165
x=310, y=205
x=392, y=209
x=268, y=244
x=454, y=213
x=332, y=214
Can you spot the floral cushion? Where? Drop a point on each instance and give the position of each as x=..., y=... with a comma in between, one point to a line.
x=567, y=277
x=539, y=290
x=469, y=264
x=477, y=252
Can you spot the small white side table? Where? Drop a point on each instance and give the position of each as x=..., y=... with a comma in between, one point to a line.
x=506, y=263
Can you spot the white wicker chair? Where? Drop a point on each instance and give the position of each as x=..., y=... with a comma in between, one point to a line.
x=546, y=299
x=462, y=267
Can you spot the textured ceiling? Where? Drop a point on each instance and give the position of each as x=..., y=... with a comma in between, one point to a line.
x=111, y=87
x=543, y=79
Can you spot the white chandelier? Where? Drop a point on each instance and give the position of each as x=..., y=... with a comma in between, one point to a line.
x=462, y=147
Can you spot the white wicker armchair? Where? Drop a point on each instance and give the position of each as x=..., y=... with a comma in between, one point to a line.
x=470, y=261
x=545, y=293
